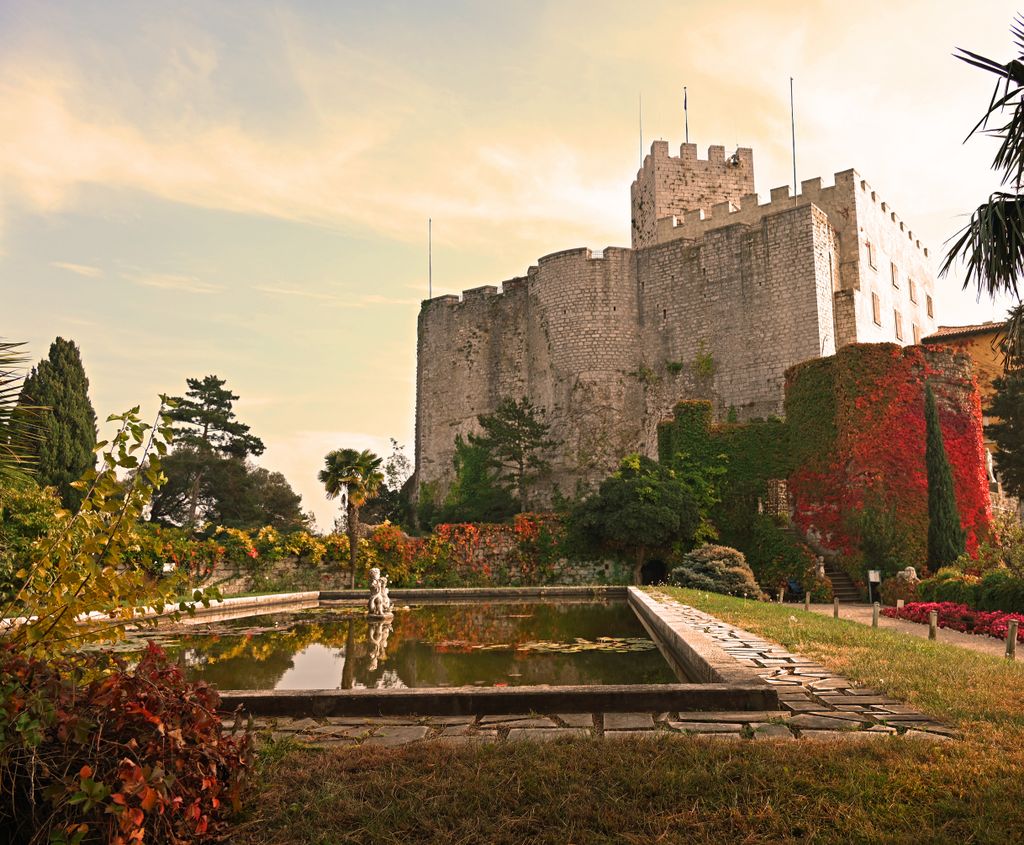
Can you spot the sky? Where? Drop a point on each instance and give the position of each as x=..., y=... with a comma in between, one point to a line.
x=243, y=189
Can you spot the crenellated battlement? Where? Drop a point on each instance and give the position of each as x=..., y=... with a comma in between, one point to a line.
x=750, y=210
x=579, y=255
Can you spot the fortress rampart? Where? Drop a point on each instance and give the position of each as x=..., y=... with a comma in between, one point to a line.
x=719, y=296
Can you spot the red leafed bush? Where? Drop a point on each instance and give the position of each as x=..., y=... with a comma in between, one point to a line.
x=97, y=752
x=959, y=617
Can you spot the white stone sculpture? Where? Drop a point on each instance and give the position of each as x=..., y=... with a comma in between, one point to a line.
x=909, y=575
x=380, y=601
x=379, y=632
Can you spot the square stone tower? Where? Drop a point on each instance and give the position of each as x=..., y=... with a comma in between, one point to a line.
x=667, y=187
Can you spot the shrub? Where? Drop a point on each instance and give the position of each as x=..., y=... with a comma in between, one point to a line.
x=777, y=557
x=717, y=569
x=950, y=585
x=894, y=589
x=1000, y=589
x=818, y=585
x=130, y=755
x=959, y=617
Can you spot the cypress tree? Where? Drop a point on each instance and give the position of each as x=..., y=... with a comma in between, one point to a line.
x=945, y=534
x=67, y=426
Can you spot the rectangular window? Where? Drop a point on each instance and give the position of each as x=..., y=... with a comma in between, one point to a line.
x=898, y=319
x=871, y=255
x=876, y=309
x=913, y=290
x=917, y=334
x=895, y=274
x=928, y=300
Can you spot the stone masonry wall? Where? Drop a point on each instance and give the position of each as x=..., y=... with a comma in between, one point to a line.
x=732, y=312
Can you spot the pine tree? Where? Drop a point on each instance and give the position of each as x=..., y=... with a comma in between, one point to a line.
x=67, y=431
x=516, y=437
x=1007, y=410
x=207, y=427
x=945, y=534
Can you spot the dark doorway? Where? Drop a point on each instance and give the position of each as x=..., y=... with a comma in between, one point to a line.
x=653, y=572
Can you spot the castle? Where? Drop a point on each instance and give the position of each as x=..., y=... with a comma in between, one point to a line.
x=718, y=295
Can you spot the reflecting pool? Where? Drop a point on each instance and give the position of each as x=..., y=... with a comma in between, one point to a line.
x=557, y=643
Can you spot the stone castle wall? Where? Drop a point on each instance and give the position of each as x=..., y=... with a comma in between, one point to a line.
x=722, y=297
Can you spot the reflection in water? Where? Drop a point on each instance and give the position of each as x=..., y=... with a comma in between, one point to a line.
x=485, y=644
x=378, y=636
x=315, y=667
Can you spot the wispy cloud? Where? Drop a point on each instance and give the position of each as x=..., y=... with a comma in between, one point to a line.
x=80, y=269
x=333, y=299
x=172, y=281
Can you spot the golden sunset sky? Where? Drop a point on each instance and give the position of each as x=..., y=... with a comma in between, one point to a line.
x=243, y=188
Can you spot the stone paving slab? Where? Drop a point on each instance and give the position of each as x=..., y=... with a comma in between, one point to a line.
x=545, y=734
x=628, y=721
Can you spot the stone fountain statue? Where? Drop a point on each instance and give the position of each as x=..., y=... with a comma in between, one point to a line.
x=380, y=601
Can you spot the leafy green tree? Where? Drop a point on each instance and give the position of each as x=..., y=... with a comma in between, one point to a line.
x=392, y=500
x=991, y=245
x=946, y=540
x=208, y=432
x=231, y=492
x=478, y=493
x=702, y=476
x=1007, y=407
x=515, y=438
x=641, y=510
x=357, y=477
x=67, y=423
x=28, y=513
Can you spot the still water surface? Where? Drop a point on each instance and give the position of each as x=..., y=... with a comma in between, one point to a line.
x=484, y=644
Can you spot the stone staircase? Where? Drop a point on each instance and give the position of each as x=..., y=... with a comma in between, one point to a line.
x=842, y=585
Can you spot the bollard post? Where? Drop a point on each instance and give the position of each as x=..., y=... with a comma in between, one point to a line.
x=1011, y=640
x=782, y=594
x=807, y=601
x=899, y=604
x=933, y=625
x=835, y=608
x=874, y=615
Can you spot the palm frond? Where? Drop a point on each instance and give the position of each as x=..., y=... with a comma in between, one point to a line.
x=19, y=429
x=1010, y=339
x=991, y=246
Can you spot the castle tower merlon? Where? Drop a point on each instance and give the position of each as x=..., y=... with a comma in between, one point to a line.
x=481, y=292
x=668, y=186
x=445, y=299
x=810, y=187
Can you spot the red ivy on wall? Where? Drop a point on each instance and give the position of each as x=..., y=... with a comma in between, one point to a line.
x=864, y=411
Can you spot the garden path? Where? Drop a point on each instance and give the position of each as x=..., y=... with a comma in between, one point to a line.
x=862, y=613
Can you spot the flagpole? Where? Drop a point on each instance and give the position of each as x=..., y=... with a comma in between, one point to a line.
x=430, y=259
x=640, y=114
x=792, y=121
x=686, y=116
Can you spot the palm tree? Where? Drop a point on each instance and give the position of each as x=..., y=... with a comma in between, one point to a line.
x=358, y=476
x=991, y=245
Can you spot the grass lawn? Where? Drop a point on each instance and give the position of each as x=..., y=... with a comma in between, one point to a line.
x=689, y=789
